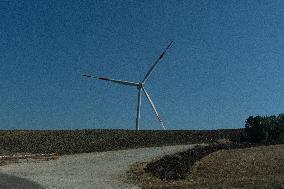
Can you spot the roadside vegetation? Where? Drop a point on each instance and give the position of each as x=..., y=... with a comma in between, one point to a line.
x=261, y=158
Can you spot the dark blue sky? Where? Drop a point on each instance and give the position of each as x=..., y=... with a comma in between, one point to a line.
x=226, y=62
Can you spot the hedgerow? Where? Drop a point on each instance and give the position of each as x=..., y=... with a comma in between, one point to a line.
x=265, y=129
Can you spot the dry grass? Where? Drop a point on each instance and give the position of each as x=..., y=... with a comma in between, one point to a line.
x=258, y=167
x=223, y=141
x=137, y=176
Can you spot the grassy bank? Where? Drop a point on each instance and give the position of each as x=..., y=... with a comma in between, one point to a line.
x=179, y=165
x=254, y=167
x=81, y=141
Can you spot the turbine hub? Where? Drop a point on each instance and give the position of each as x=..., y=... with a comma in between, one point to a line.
x=140, y=85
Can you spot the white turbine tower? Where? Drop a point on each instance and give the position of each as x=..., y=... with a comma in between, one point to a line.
x=140, y=87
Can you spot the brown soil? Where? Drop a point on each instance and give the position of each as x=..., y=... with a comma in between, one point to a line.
x=84, y=141
x=257, y=167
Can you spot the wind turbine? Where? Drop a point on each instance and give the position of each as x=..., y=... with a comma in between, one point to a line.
x=140, y=87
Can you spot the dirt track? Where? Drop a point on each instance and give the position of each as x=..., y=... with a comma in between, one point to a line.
x=89, y=170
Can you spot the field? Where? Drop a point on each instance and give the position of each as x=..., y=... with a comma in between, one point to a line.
x=228, y=165
x=81, y=141
x=255, y=167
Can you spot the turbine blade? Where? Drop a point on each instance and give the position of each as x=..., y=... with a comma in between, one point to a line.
x=120, y=81
x=89, y=76
x=113, y=80
x=154, y=108
x=155, y=63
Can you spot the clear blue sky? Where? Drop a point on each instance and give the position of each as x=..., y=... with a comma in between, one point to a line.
x=226, y=62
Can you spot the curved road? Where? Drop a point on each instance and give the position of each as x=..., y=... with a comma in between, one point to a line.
x=84, y=171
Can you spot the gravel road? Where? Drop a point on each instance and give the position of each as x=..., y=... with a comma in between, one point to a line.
x=81, y=171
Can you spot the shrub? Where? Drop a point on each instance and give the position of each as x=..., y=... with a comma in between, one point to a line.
x=266, y=129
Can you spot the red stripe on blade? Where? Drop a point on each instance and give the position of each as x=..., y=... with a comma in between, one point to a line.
x=103, y=78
